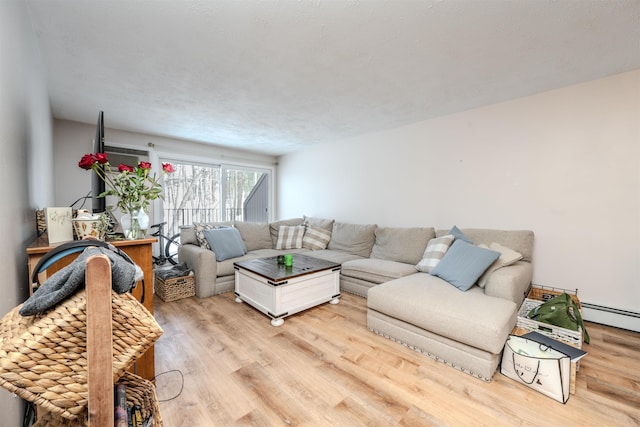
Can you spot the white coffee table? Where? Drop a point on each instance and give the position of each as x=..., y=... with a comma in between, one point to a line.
x=280, y=291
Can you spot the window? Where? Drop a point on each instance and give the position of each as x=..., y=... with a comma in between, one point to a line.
x=208, y=193
x=245, y=195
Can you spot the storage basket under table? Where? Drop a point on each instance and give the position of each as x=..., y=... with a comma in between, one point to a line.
x=175, y=288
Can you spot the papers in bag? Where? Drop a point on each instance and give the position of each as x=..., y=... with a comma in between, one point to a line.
x=538, y=366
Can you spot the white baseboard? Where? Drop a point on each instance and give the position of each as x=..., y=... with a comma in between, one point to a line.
x=611, y=316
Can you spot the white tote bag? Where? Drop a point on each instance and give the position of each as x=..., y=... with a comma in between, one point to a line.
x=538, y=366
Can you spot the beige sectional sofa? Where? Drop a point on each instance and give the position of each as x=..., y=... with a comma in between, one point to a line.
x=466, y=329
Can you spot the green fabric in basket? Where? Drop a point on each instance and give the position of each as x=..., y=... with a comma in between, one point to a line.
x=560, y=311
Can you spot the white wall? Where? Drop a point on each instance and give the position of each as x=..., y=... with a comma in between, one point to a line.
x=565, y=164
x=25, y=165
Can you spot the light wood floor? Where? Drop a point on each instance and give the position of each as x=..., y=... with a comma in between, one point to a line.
x=324, y=368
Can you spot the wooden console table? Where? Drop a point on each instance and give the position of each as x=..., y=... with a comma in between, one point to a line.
x=140, y=252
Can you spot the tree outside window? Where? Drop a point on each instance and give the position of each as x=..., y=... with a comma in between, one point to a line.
x=211, y=193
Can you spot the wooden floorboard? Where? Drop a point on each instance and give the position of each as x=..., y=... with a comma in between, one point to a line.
x=221, y=363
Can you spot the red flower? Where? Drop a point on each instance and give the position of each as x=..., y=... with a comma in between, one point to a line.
x=101, y=158
x=87, y=161
x=168, y=168
x=134, y=186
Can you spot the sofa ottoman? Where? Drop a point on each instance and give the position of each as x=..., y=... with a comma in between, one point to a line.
x=466, y=330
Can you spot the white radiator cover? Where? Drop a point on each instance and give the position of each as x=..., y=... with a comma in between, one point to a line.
x=611, y=316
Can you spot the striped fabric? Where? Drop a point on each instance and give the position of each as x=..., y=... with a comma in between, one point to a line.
x=290, y=237
x=436, y=248
x=315, y=238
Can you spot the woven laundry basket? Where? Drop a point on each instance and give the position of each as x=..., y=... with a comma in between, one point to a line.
x=175, y=288
x=43, y=358
x=139, y=392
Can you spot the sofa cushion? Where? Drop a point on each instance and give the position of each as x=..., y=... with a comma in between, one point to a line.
x=507, y=257
x=290, y=237
x=200, y=227
x=326, y=224
x=255, y=235
x=274, y=227
x=353, y=238
x=511, y=282
x=401, y=244
x=376, y=270
x=315, y=237
x=339, y=257
x=430, y=303
x=464, y=263
x=188, y=235
x=225, y=243
x=436, y=248
x=519, y=240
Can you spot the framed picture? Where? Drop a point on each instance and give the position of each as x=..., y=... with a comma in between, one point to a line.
x=59, y=227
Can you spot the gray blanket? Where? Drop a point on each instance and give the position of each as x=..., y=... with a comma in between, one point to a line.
x=65, y=282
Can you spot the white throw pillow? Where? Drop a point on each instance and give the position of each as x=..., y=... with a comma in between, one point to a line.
x=507, y=257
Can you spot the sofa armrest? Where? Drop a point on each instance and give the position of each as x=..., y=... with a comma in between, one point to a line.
x=204, y=265
x=510, y=282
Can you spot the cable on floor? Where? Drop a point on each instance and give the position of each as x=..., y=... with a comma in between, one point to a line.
x=181, y=384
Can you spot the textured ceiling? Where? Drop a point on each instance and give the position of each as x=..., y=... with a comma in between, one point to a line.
x=276, y=76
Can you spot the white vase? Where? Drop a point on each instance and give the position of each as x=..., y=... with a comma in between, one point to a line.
x=135, y=224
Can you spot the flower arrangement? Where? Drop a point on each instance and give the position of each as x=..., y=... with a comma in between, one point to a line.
x=134, y=187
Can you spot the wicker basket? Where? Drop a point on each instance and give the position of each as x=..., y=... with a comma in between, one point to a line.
x=543, y=293
x=175, y=288
x=537, y=295
x=139, y=392
x=43, y=358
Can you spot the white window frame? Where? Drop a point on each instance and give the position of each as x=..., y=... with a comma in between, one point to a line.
x=159, y=157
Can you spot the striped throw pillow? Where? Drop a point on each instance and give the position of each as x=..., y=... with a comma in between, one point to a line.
x=315, y=238
x=436, y=248
x=290, y=237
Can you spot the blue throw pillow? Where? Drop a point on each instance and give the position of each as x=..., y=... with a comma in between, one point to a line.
x=459, y=234
x=225, y=243
x=464, y=263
